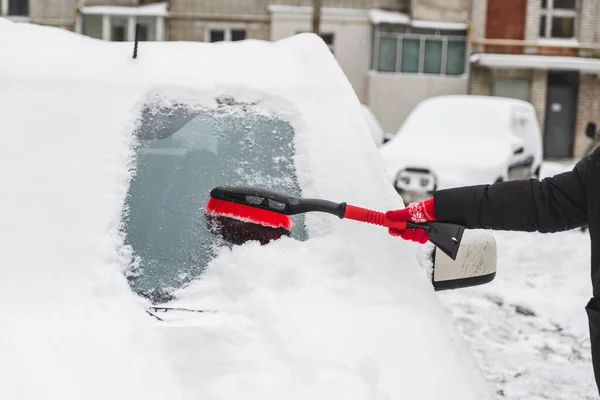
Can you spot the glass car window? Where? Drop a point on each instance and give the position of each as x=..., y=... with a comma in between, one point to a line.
x=183, y=153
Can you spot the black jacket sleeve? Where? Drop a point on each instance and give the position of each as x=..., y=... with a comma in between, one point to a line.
x=553, y=204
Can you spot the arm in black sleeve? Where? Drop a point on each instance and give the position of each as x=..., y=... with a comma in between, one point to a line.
x=553, y=204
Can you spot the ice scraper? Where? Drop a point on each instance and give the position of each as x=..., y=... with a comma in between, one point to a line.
x=245, y=213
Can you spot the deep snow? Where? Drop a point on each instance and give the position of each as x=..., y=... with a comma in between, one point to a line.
x=347, y=314
x=546, y=356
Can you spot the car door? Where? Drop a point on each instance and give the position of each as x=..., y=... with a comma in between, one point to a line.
x=524, y=125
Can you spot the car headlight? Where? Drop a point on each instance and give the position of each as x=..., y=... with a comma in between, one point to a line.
x=424, y=182
x=405, y=180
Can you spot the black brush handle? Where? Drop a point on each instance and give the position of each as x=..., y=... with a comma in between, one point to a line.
x=276, y=202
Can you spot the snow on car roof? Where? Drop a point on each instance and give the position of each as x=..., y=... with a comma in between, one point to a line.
x=346, y=314
x=459, y=115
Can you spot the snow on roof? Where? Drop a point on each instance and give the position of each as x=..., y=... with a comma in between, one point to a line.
x=388, y=17
x=536, y=62
x=148, y=10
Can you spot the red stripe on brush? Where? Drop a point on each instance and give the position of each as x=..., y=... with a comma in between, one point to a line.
x=246, y=213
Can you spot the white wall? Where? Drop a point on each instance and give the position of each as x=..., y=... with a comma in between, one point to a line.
x=392, y=97
x=352, y=43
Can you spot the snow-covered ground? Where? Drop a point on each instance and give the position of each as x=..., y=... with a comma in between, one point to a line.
x=541, y=356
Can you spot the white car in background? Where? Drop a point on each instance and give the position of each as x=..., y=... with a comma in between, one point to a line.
x=113, y=287
x=459, y=140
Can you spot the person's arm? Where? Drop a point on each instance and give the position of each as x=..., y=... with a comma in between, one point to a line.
x=553, y=204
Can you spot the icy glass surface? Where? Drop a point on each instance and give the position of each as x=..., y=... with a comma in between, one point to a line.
x=183, y=153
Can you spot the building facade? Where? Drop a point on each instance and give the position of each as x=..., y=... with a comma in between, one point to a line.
x=395, y=53
x=545, y=52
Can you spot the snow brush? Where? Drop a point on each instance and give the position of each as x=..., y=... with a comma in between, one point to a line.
x=239, y=214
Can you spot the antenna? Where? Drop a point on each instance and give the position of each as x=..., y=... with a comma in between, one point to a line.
x=135, y=44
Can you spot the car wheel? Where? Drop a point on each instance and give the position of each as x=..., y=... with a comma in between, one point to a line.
x=501, y=179
x=536, y=174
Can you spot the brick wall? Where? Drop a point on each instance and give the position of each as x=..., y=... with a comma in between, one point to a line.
x=505, y=20
x=588, y=110
x=481, y=82
x=53, y=12
x=532, y=21
x=589, y=28
x=537, y=94
x=441, y=10
x=478, y=22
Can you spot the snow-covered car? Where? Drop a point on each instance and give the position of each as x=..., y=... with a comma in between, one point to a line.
x=375, y=128
x=457, y=140
x=107, y=164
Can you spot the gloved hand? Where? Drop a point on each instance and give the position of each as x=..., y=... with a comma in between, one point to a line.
x=415, y=212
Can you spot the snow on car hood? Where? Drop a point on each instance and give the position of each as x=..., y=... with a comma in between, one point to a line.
x=346, y=314
x=472, y=162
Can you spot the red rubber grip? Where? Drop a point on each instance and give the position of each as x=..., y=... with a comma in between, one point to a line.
x=372, y=217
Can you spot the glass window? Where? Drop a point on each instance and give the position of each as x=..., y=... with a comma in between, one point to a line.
x=511, y=88
x=543, y=26
x=433, y=57
x=183, y=153
x=18, y=8
x=118, y=29
x=423, y=31
x=217, y=35
x=238, y=34
x=563, y=27
x=558, y=18
x=423, y=53
x=147, y=28
x=410, y=55
x=387, y=54
x=92, y=26
x=455, y=57
x=565, y=4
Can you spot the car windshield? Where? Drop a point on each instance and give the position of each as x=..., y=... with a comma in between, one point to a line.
x=182, y=153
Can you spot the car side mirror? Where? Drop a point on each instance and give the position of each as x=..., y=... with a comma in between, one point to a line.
x=590, y=130
x=475, y=263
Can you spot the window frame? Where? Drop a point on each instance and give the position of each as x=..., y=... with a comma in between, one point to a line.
x=106, y=29
x=438, y=35
x=549, y=12
x=227, y=33
x=5, y=7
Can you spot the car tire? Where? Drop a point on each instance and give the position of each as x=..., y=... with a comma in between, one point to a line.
x=501, y=179
x=536, y=174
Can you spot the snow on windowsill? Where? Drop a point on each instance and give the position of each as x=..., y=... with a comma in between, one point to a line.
x=150, y=10
x=388, y=17
x=573, y=42
x=536, y=62
x=439, y=25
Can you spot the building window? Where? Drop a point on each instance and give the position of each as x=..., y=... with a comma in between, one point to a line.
x=420, y=50
x=226, y=35
x=14, y=8
x=119, y=28
x=558, y=18
x=511, y=88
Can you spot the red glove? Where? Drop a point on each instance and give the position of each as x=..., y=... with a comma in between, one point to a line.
x=415, y=212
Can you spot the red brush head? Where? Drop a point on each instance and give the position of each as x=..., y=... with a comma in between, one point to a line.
x=239, y=223
x=247, y=213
